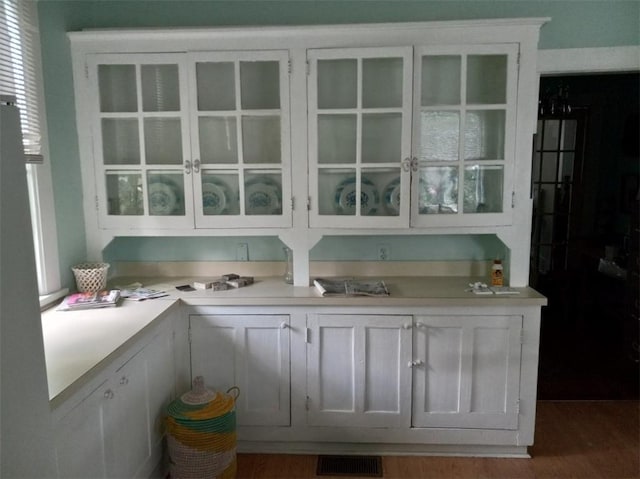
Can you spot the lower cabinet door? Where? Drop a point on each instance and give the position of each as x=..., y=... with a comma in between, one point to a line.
x=358, y=371
x=466, y=371
x=250, y=352
x=79, y=438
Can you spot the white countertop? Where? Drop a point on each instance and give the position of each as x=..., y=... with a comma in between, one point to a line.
x=78, y=344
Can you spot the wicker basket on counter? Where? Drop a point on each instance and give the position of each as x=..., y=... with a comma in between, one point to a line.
x=90, y=277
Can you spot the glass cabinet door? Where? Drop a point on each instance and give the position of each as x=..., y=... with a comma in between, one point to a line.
x=138, y=138
x=359, y=104
x=240, y=125
x=464, y=127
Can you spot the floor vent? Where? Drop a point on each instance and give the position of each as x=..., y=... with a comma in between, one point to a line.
x=353, y=466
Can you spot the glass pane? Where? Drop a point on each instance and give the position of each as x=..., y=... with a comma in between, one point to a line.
x=566, y=165
x=538, y=136
x=546, y=198
x=220, y=193
x=216, y=86
x=117, y=84
x=380, y=192
x=486, y=79
x=381, y=138
x=261, y=139
x=262, y=193
x=166, y=193
x=549, y=167
x=337, y=138
x=120, y=141
x=260, y=85
x=160, y=88
x=483, y=189
x=333, y=199
x=438, y=190
x=439, y=135
x=569, y=134
x=124, y=193
x=551, y=134
x=382, y=82
x=337, y=83
x=163, y=141
x=440, y=80
x=484, y=135
x=218, y=140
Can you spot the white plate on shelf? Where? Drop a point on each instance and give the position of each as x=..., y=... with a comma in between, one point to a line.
x=263, y=196
x=162, y=199
x=345, y=197
x=215, y=197
x=392, y=196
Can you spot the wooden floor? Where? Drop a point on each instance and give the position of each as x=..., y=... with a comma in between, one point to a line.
x=574, y=439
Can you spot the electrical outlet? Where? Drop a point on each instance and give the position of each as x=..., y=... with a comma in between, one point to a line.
x=242, y=252
x=384, y=252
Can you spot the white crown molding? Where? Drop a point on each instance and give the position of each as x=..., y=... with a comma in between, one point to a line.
x=589, y=60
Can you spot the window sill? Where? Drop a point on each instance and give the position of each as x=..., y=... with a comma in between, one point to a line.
x=47, y=300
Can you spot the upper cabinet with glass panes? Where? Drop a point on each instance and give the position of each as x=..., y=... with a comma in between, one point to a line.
x=191, y=141
x=370, y=167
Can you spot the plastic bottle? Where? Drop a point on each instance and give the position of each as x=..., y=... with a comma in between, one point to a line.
x=497, y=277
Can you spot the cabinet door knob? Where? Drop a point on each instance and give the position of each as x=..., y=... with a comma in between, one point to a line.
x=415, y=362
x=196, y=166
x=406, y=326
x=124, y=380
x=406, y=164
x=284, y=325
x=108, y=394
x=414, y=164
x=419, y=324
x=187, y=167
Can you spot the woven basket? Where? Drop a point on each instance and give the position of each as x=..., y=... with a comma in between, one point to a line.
x=90, y=277
x=201, y=434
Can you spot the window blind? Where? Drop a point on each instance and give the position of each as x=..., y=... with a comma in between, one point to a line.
x=19, y=72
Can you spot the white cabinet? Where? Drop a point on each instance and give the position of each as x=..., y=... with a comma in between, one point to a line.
x=116, y=430
x=190, y=141
x=357, y=370
x=453, y=140
x=250, y=352
x=466, y=371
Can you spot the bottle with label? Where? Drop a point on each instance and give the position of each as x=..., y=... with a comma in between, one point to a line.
x=497, y=277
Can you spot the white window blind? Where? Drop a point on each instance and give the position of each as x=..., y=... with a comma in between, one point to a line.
x=19, y=51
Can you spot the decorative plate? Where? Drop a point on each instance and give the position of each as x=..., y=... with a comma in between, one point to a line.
x=162, y=199
x=263, y=196
x=345, y=197
x=392, y=196
x=215, y=197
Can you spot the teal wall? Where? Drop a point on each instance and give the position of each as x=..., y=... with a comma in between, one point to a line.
x=574, y=24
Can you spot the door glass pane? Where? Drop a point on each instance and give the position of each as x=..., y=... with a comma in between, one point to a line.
x=332, y=197
x=160, y=88
x=439, y=135
x=218, y=140
x=337, y=83
x=117, y=84
x=440, y=80
x=337, y=138
x=120, y=141
x=438, y=190
x=569, y=133
x=216, y=86
x=484, y=135
x=165, y=193
x=220, y=193
x=263, y=193
x=551, y=134
x=382, y=82
x=124, y=193
x=380, y=192
x=483, y=189
x=546, y=198
x=163, y=141
x=566, y=165
x=486, y=79
x=549, y=167
x=260, y=85
x=381, y=137
x=261, y=139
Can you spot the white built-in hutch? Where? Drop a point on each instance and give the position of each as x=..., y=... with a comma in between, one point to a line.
x=302, y=132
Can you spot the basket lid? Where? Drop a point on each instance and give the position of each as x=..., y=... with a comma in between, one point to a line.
x=199, y=394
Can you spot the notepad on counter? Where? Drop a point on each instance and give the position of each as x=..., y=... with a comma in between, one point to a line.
x=503, y=290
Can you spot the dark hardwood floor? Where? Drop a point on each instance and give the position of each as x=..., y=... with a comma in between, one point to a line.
x=574, y=439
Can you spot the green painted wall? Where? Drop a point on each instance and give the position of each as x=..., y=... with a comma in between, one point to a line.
x=574, y=24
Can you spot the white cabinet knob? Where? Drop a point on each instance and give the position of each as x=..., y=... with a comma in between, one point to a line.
x=108, y=394
x=415, y=362
x=284, y=325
